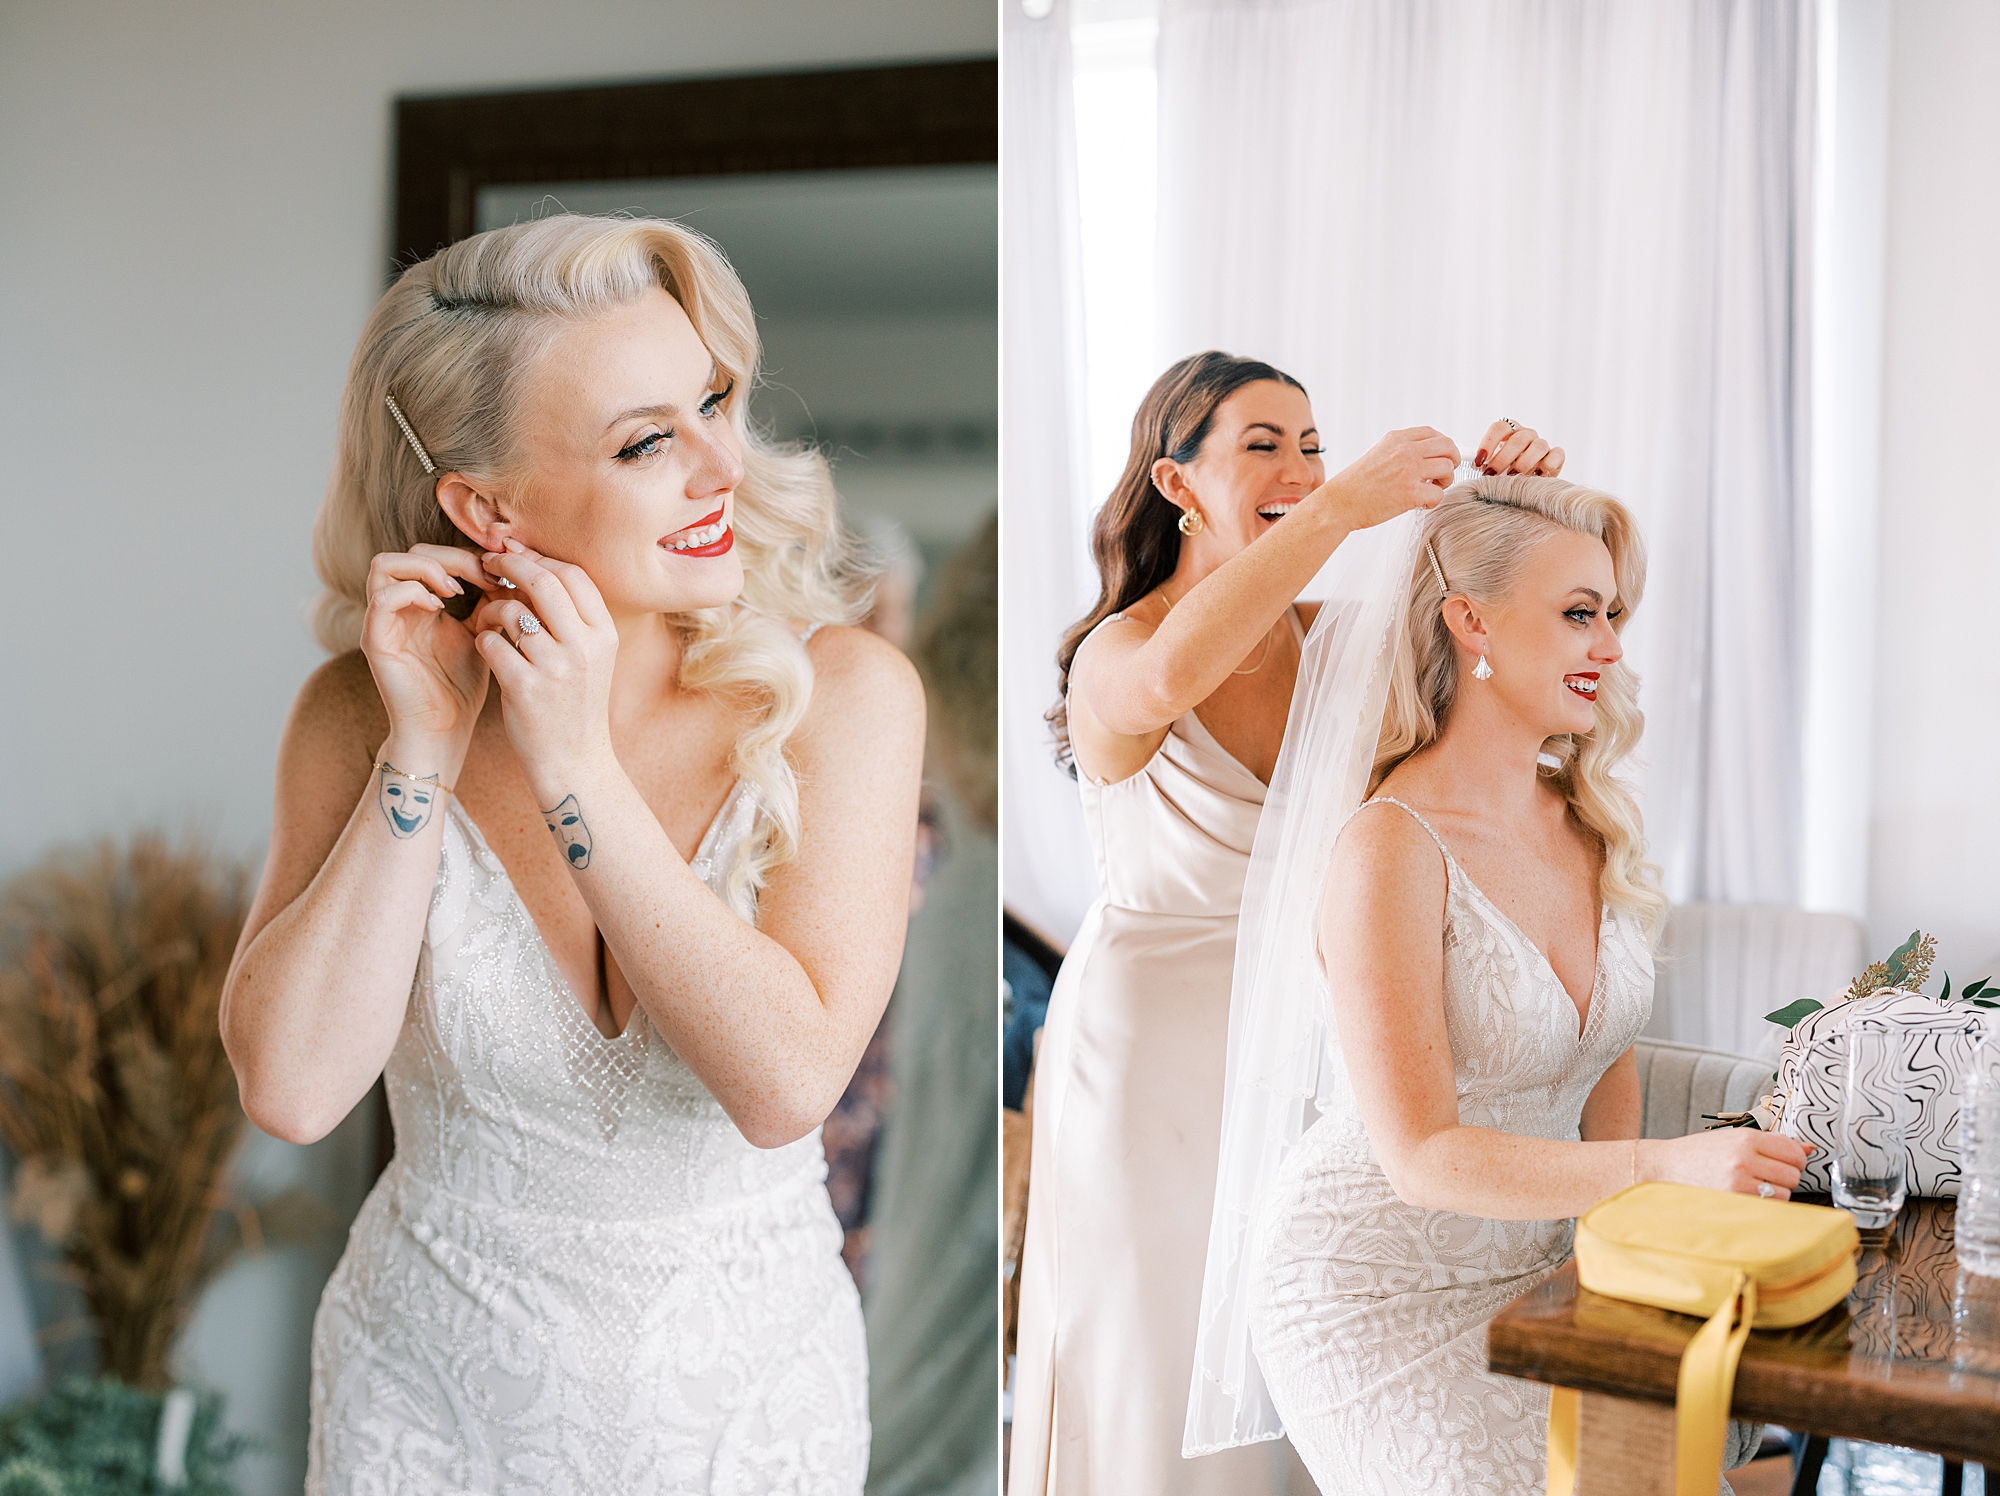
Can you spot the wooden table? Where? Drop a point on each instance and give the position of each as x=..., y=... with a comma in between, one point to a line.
x=1912, y=1358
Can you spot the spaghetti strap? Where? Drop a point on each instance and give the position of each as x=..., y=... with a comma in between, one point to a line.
x=1449, y=860
x=1298, y=629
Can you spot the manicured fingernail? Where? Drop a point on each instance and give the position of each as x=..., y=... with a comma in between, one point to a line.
x=515, y=546
x=1479, y=458
x=457, y=587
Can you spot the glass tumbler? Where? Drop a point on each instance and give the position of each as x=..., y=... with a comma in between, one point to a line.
x=1978, y=1223
x=1871, y=1141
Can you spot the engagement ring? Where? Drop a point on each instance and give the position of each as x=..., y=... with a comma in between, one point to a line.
x=1765, y=1191
x=530, y=624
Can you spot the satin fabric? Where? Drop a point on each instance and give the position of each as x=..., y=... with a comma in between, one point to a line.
x=1128, y=1105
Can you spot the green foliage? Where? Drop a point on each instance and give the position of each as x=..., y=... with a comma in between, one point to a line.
x=27, y=1478
x=100, y=1438
x=1792, y=1012
x=1980, y=994
x=1907, y=968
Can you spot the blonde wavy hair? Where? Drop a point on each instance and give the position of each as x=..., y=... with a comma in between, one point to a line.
x=1482, y=533
x=456, y=337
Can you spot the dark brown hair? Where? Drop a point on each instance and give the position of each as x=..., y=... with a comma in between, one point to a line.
x=1136, y=536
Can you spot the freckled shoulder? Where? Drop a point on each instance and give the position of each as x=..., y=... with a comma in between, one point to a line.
x=339, y=706
x=855, y=674
x=1384, y=846
x=1120, y=633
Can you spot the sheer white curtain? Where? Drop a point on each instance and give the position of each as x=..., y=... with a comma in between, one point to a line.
x=1592, y=218
x=1049, y=877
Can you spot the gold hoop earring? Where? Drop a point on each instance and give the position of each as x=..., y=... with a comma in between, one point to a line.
x=1191, y=521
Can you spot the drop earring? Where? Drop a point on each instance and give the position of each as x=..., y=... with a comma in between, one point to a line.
x=1482, y=671
x=1191, y=521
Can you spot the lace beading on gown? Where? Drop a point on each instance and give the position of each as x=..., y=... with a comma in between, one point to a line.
x=1370, y=1325
x=577, y=1276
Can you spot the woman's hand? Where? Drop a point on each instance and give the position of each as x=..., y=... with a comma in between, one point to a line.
x=1728, y=1158
x=426, y=666
x=1405, y=470
x=555, y=674
x=1508, y=448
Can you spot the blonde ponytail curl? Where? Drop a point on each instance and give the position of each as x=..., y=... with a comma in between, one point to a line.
x=453, y=338
x=1482, y=532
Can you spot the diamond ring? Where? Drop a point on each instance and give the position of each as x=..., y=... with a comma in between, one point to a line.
x=530, y=624
x=1511, y=425
x=1765, y=1191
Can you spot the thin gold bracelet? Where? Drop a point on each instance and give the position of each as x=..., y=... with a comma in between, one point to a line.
x=430, y=779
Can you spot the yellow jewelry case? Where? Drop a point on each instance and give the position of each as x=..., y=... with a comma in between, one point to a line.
x=1738, y=1262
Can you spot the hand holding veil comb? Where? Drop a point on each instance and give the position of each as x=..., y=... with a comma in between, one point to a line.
x=1510, y=447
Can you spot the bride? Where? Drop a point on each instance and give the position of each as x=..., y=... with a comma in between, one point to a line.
x=1478, y=924
x=610, y=872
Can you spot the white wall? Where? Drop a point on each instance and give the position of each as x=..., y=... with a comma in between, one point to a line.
x=1936, y=814
x=194, y=204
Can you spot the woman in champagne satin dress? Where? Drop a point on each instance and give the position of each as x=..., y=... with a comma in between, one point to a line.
x=1176, y=689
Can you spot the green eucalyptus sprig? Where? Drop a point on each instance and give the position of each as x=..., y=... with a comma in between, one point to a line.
x=1907, y=968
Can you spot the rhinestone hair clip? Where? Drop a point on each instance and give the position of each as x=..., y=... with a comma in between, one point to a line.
x=430, y=468
x=1436, y=570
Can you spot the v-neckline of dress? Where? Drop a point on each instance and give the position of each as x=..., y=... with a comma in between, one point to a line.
x=1210, y=740
x=1604, y=912
x=1193, y=713
x=703, y=849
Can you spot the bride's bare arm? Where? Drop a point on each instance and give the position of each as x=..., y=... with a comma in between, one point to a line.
x=1382, y=937
x=317, y=991
x=772, y=1018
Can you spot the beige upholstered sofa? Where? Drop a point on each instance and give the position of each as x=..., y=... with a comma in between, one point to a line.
x=1680, y=1084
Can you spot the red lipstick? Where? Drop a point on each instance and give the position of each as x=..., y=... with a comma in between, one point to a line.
x=714, y=537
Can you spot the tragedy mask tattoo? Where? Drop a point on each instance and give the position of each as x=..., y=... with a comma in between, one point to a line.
x=566, y=824
x=405, y=801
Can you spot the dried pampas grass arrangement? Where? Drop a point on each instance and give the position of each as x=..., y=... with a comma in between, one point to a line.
x=115, y=1095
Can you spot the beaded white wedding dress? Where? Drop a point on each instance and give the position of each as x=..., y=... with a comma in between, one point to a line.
x=1369, y=1315
x=576, y=1276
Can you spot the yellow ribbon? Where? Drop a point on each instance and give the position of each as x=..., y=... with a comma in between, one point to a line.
x=1708, y=1378
x=1701, y=1412
x=1564, y=1404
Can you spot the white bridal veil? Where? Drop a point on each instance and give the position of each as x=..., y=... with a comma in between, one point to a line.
x=1282, y=1065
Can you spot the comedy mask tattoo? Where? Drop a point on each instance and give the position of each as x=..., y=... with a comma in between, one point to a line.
x=405, y=801
x=566, y=824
